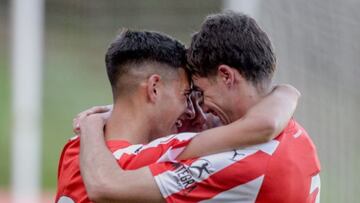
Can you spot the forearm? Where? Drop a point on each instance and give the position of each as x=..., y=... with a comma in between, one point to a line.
x=242, y=133
x=276, y=109
x=104, y=180
x=97, y=166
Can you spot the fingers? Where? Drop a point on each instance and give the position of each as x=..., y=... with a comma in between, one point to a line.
x=97, y=109
x=76, y=126
x=91, y=125
x=92, y=110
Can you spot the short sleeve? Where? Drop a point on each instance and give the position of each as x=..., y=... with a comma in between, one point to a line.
x=164, y=149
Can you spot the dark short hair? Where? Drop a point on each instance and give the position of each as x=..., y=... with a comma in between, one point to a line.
x=138, y=47
x=233, y=39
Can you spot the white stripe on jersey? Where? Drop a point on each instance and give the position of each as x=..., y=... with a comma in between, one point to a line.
x=164, y=140
x=171, y=155
x=268, y=147
x=245, y=193
x=74, y=138
x=65, y=199
x=298, y=133
x=170, y=182
x=135, y=149
x=127, y=150
x=315, y=183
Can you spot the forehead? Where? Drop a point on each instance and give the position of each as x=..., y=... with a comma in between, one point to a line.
x=184, y=79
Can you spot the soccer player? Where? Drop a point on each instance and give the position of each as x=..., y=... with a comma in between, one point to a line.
x=150, y=90
x=232, y=63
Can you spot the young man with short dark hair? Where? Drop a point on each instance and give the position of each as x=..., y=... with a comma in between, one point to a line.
x=232, y=62
x=150, y=90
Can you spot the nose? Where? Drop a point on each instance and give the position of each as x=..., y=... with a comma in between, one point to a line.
x=197, y=99
x=190, y=109
x=200, y=118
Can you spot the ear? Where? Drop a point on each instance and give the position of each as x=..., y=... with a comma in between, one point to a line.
x=226, y=74
x=153, y=87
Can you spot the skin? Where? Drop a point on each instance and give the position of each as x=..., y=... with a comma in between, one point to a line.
x=135, y=117
x=102, y=175
x=229, y=83
x=200, y=121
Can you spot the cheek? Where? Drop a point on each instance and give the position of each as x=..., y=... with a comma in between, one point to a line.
x=216, y=95
x=181, y=106
x=174, y=104
x=211, y=102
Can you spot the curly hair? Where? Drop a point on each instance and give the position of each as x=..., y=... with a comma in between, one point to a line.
x=233, y=39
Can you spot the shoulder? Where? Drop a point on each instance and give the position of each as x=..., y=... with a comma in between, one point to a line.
x=171, y=141
x=180, y=137
x=71, y=148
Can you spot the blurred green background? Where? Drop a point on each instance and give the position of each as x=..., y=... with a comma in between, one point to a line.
x=318, y=50
x=77, y=34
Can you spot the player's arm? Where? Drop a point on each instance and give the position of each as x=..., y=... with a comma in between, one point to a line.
x=261, y=123
x=104, y=180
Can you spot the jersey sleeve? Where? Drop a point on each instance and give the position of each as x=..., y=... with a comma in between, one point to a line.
x=164, y=149
x=223, y=177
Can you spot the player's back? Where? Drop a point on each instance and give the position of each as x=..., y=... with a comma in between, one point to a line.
x=293, y=171
x=71, y=187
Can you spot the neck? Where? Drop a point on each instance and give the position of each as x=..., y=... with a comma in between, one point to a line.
x=127, y=122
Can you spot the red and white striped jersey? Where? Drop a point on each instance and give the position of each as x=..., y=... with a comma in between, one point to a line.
x=70, y=184
x=285, y=169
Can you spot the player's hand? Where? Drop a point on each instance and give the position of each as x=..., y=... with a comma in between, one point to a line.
x=92, y=124
x=288, y=88
x=93, y=110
